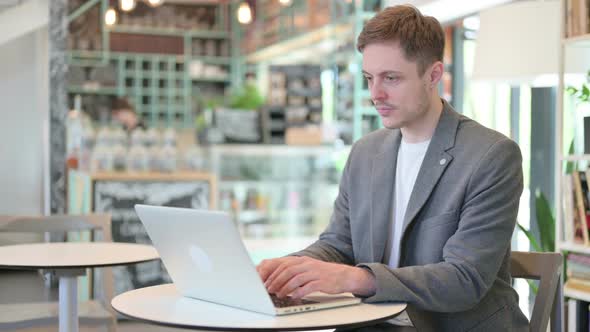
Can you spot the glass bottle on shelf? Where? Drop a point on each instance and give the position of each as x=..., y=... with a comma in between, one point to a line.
x=137, y=159
x=138, y=137
x=87, y=146
x=155, y=158
x=168, y=161
x=194, y=159
x=74, y=132
x=119, y=157
x=101, y=159
x=152, y=137
x=169, y=151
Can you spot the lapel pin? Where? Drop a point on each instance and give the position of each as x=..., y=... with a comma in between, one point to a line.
x=442, y=161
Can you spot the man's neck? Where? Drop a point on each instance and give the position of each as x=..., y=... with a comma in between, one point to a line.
x=424, y=128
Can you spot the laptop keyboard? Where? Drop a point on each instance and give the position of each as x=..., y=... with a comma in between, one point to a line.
x=288, y=301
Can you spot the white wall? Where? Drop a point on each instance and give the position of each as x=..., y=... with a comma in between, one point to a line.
x=22, y=18
x=448, y=10
x=24, y=98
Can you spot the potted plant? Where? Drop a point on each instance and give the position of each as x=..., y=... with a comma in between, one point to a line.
x=240, y=120
x=582, y=93
x=545, y=221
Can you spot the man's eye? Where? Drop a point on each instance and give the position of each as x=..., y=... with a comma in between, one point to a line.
x=390, y=78
x=368, y=78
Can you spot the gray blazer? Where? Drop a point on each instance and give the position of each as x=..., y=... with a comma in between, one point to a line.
x=455, y=246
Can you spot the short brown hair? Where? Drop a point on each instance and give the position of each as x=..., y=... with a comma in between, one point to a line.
x=121, y=103
x=421, y=38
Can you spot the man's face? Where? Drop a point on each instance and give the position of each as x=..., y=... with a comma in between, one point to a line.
x=399, y=94
x=126, y=117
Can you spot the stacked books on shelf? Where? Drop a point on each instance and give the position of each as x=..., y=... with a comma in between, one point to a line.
x=576, y=216
x=578, y=272
x=577, y=17
x=576, y=207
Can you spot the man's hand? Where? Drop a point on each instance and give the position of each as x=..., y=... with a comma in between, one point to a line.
x=299, y=276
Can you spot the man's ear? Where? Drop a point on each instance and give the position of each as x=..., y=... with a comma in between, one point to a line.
x=435, y=73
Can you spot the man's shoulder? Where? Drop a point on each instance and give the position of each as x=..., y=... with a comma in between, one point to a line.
x=472, y=133
x=373, y=141
x=475, y=139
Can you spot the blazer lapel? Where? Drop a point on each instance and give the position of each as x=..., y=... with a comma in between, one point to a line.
x=435, y=162
x=382, y=184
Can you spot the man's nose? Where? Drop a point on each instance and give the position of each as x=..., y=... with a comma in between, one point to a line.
x=377, y=93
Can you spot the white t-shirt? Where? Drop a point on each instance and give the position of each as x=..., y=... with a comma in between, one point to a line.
x=409, y=161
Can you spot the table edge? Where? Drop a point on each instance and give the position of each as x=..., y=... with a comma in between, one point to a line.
x=65, y=267
x=302, y=328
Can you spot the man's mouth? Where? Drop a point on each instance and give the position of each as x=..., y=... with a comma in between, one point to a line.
x=383, y=111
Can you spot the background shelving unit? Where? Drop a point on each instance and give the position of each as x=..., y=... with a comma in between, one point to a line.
x=365, y=118
x=278, y=37
x=577, y=41
x=294, y=100
x=168, y=60
x=568, y=41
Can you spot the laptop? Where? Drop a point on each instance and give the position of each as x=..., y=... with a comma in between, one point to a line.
x=206, y=259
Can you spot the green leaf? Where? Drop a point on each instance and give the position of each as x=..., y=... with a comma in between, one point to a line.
x=571, y=90
x=533, y=286
x=247, y=98
x=582, y=94
x=545, y=221
x=531, y=237
x=570, y=165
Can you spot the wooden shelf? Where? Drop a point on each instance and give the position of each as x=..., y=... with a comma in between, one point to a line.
x=152, y=176
x=216, y=60
x=575, y=247
x=309, y=42
x=577, y=41
x=211, y=79
x=276, y=150
x=92, y=90
x=135, y=73
x=272, y=183
x=576, y=294
x=205, y=34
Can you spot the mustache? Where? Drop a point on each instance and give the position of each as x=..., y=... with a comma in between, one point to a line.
x=380, y=105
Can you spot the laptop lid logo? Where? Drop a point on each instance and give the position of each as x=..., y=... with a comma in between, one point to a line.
x=201, y=259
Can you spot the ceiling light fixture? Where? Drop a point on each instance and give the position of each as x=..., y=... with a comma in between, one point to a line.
x=127, y=5
x=244, y=13
x=155, y=3
x=286, y=2
x=110, y=17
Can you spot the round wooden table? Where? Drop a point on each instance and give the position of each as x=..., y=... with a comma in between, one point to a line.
x=163, y=305
x=70, y=260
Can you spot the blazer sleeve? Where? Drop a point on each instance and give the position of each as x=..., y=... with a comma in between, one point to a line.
x=335, y=243
x=473, y=255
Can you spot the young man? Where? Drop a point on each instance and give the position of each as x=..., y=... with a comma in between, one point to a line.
x=427, y=206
